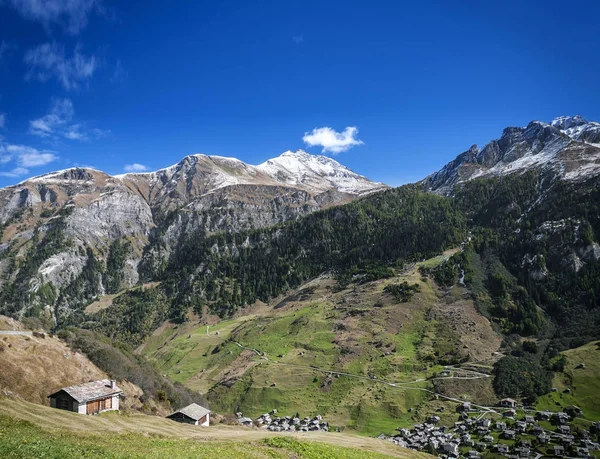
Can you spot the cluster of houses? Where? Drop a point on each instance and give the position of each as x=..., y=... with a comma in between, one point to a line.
x=511, y=438
x=286, y=424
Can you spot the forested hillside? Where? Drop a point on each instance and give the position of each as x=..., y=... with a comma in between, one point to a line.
x=529, y=256
x=224, y=271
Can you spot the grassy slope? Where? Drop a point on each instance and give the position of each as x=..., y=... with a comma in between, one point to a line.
x=317, y=327
x=583, y=382
x=33, y=367
x=28, y=430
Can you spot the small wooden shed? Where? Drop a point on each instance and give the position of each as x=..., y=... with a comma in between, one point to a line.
x=192, y=414
x=90, y=398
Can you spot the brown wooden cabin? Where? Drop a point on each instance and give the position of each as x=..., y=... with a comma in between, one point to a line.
x=89, y=398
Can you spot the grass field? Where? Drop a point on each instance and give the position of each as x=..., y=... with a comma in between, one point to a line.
x=359, y=330
x=28, y=430
x=584, y=383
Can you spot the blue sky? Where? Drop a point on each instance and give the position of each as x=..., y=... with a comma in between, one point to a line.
x=109, y=83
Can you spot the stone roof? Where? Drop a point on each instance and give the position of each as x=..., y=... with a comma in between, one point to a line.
x=91, y=391
x=194, y=411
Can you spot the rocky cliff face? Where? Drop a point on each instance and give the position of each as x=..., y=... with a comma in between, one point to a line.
x=59, y=229
x=568, y=148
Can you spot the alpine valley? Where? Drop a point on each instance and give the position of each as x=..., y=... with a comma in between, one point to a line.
x=302, y=286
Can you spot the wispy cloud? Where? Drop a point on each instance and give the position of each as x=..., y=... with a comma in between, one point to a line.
x=58, y=123
x=6, y=48
x=49, y=60
x=2, y=120
x=23, y=157
x=332, y=141
x=16, y=172
x=298, y=39
x=119, y=74
x=135, y=167
x=71, y=15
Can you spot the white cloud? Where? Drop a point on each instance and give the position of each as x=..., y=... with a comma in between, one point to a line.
x=72, y=15
x=135, y=167
x=49, y=60
x=28, y=156
x=16, y=172
x=58, y=123
x=2, y=120
x=332, y=141
x=23, y=157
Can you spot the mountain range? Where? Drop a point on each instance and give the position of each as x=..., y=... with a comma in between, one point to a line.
x=57, y=226
x=301, y=285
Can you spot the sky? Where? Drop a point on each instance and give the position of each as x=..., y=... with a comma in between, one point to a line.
x=392, y=89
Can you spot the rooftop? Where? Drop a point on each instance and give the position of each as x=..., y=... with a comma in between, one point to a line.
x=91, y=390
x=193, y=411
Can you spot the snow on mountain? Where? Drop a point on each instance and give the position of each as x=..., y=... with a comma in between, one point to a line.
x=206, y=174
x=318, y=172
x=578, y=128
x=568, y=148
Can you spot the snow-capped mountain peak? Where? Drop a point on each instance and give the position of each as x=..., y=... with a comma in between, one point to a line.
x=319, y=172
x=568, y=147
x=566, y=122
x=578, y=128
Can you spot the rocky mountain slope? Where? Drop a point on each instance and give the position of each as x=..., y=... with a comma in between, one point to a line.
x=67, y=234
x=567, y=148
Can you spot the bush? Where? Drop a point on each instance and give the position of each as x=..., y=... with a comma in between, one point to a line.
x=402, y=292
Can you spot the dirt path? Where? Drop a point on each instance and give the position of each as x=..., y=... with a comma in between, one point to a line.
x=404, y=385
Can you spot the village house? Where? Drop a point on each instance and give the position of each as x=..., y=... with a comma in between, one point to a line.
x=567, y=440
x=501, y=448
x=193, y=414
x=559, y=451
x=508, y=403
x=89, y=398
x=583, y=452
x=565, y=430
x=543, y=439
x=509, y=413
x=486, y=423
x=451, y=449
x=537, y=430
x=509, y=434
x=544, y=415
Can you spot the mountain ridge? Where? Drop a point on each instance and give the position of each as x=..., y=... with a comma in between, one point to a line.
x=59, y=226
x=566, y=148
